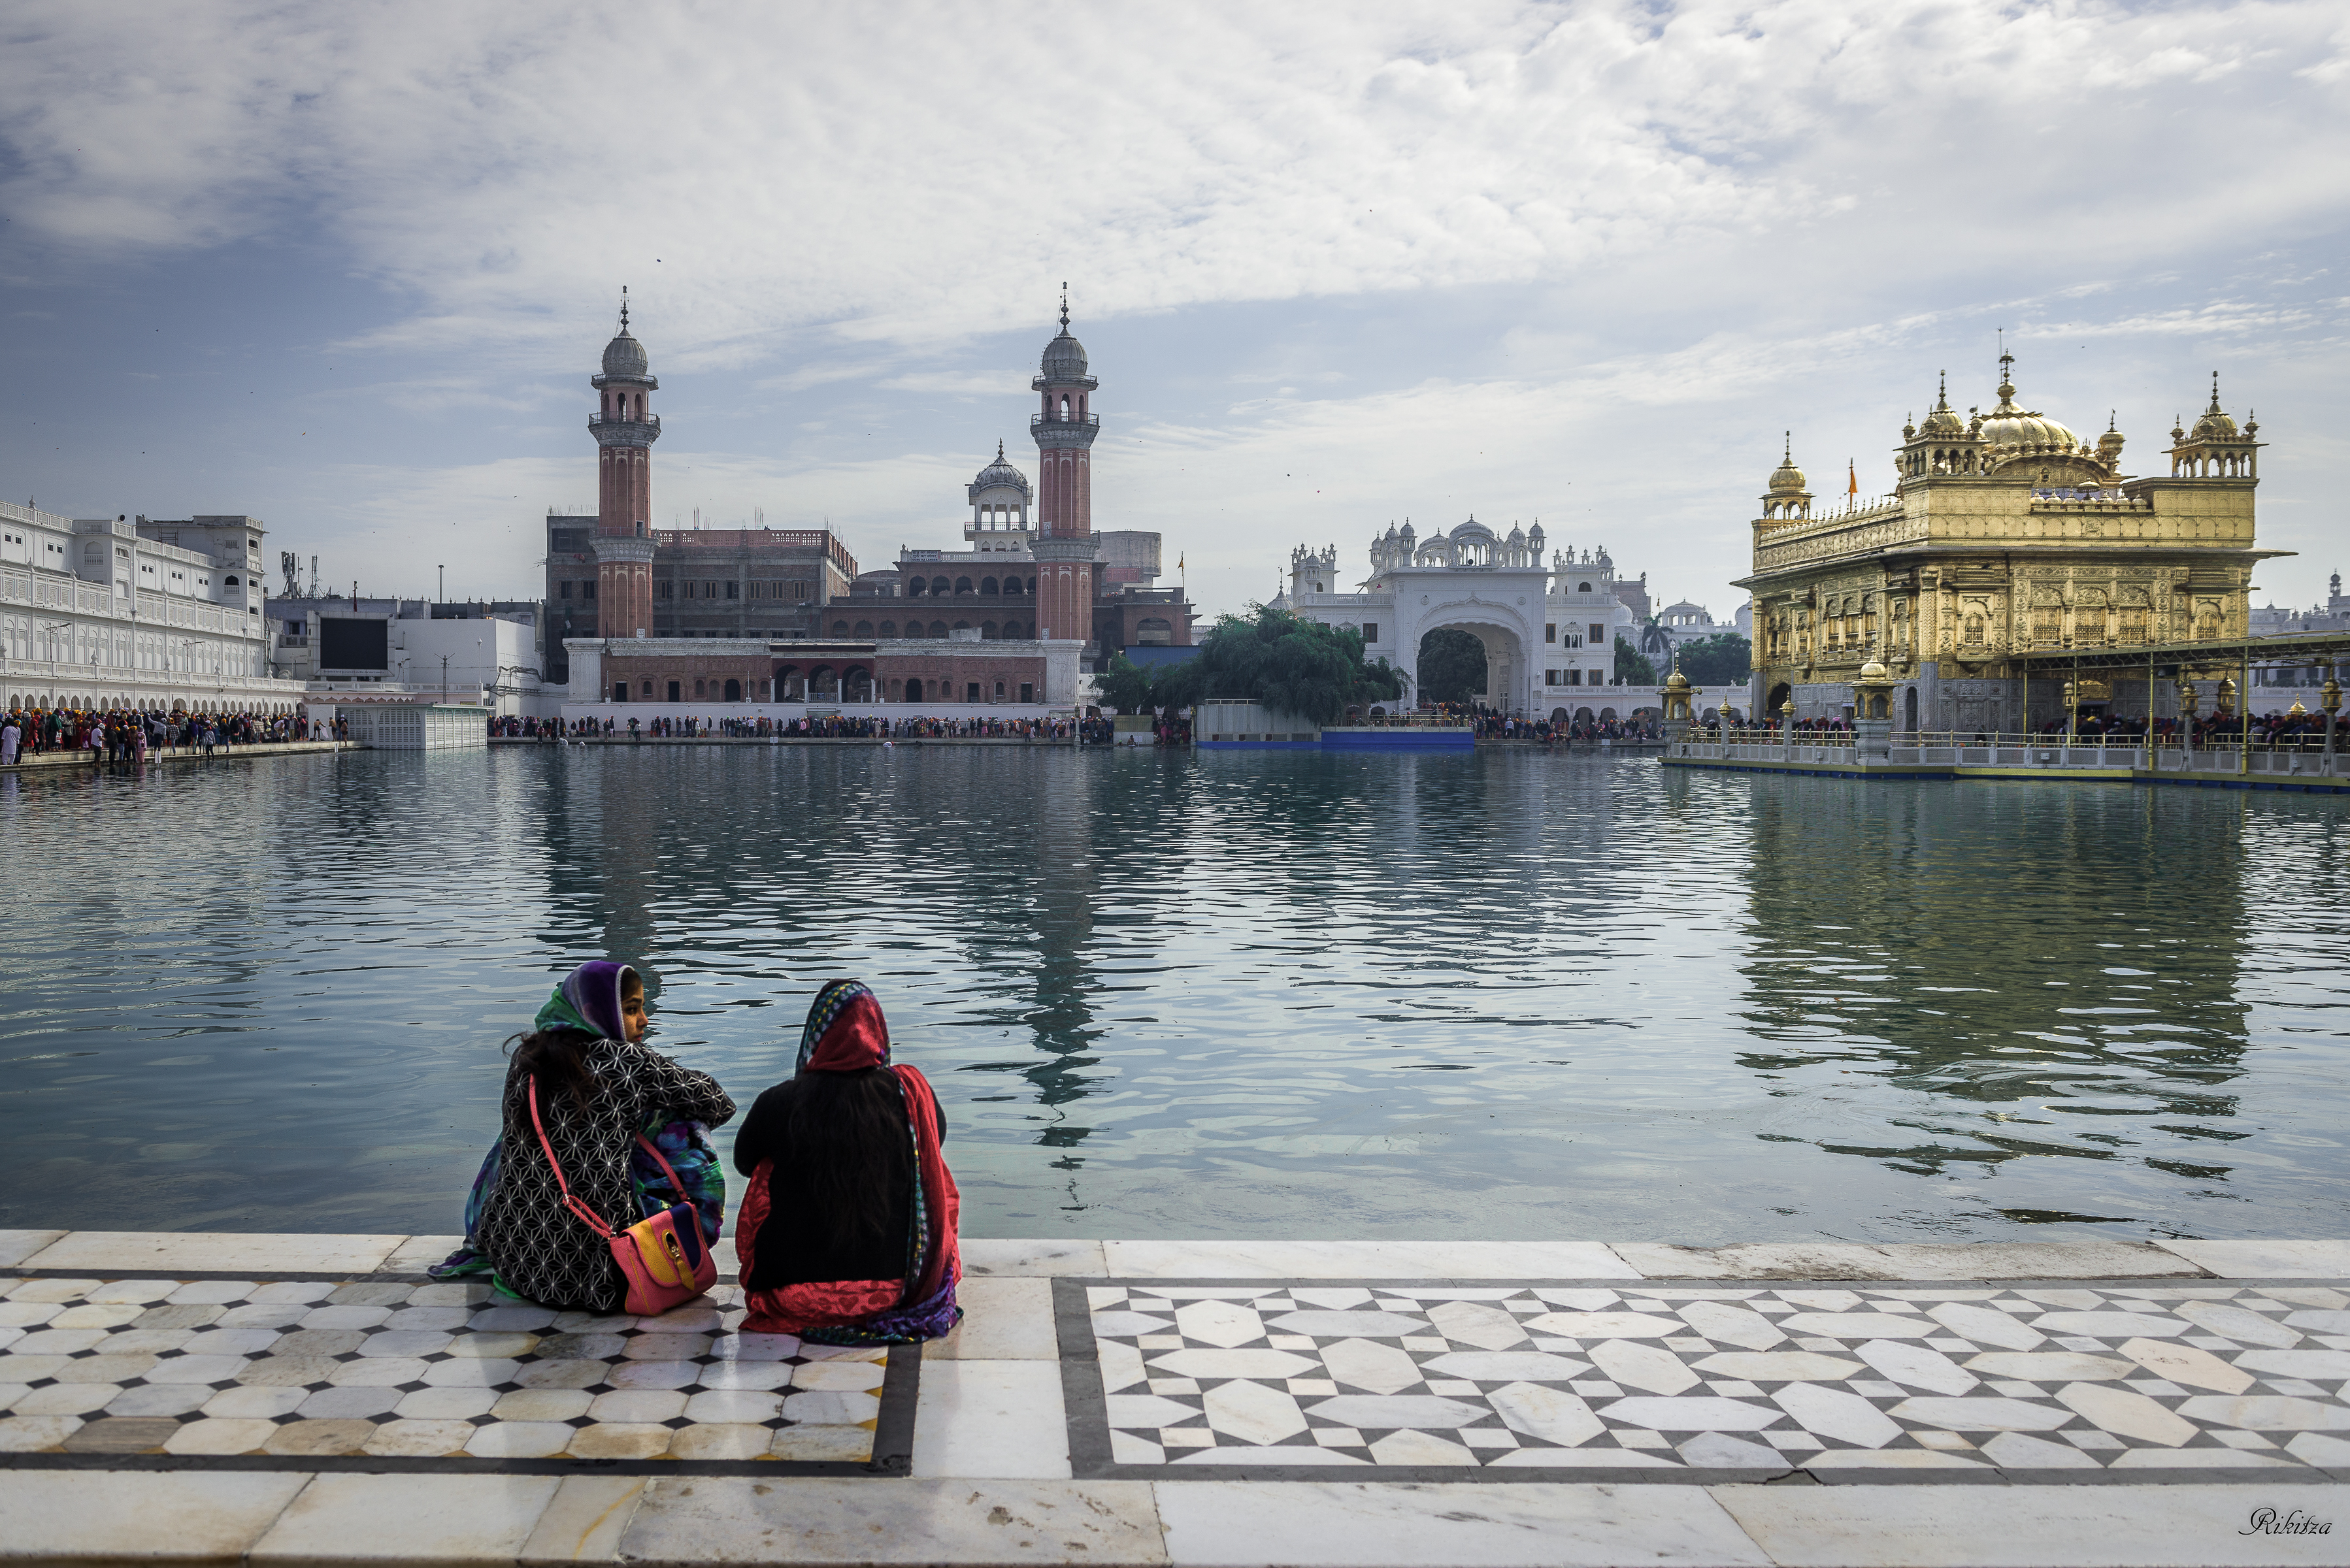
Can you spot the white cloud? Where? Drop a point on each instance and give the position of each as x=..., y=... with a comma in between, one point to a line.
x=1719, y=219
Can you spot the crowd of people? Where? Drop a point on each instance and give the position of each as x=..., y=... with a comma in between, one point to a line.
x=846, y=1231
x=119, y=736
x=830, y=727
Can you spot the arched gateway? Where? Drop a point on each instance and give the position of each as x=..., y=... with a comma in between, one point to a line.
x=1545, y=625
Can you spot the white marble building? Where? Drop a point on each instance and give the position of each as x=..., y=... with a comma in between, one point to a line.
x=106, y=612
x=1549, y=630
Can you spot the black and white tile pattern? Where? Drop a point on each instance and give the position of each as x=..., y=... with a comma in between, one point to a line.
x=2057, y=1380
x=399, y=1371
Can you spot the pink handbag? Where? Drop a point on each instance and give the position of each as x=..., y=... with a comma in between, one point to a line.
x=663, y=1258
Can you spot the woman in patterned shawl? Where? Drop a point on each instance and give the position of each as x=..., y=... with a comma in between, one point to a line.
x=598, y=1088
x=847, y=1233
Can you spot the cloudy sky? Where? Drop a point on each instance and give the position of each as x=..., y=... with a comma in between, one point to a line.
x=347, y=268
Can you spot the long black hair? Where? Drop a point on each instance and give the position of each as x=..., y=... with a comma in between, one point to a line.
x=558, y=1059
x=847, y=1145
x=559, y=1054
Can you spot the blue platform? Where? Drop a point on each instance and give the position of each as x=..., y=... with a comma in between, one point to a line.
x=1397, y=738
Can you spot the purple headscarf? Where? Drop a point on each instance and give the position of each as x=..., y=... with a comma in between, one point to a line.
x=589, y=1001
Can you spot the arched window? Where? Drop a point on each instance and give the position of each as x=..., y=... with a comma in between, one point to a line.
x=733, y=692
x=865, y=629
x=1583, y=587
x=915, y=588
x=840, y=628
x=939, y=629
x=962, y=587
x=938, y=587
x=986, y=585
x=913, y=690
x=1032, y=586
x=987, y=631
x=889, y=629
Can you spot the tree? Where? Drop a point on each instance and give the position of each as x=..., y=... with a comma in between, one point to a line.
x=1725, y=659
x=1451, y=666
x=1632, y=666
x=1125, y=685
x=1292, y=666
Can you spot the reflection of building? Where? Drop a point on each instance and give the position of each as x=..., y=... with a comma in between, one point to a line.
x=2005, y=534
x=773, y=615
x=1544, y=629
x=104, y=612
x=2024, y=1018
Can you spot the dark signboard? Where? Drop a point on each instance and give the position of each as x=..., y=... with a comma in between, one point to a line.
x=346, y=642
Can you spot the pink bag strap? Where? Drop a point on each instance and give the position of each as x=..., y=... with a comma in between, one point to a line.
x=594, y=1220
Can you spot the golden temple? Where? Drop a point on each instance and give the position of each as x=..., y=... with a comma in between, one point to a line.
x=2006, y=537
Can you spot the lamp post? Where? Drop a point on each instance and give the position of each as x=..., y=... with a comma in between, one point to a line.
x=2330, y=698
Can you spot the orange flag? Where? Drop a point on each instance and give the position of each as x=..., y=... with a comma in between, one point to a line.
x=1852, y=478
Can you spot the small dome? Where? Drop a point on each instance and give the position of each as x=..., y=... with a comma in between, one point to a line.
x=1000, y=474
x=1787, y=477
x=2215, y=425
x=1944, y=421
x=1873, y=671
x=1065, y=358
x=624, y=356
x=1677, y=682
x=1472, y=529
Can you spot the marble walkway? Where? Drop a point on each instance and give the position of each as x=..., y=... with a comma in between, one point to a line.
x=171, y=1398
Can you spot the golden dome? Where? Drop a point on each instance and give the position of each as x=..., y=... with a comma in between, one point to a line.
x=1944, y=421
x=1875, y=671
x=2215, y=425
x=1677, y=682
x=2010, y=426
x=2295, y=712
x=1787, y=477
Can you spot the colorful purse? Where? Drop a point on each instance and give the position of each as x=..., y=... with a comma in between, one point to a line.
x=664, y=1258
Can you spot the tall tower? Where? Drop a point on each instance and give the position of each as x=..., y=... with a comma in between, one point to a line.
x=625, y=430
x=1064, y=427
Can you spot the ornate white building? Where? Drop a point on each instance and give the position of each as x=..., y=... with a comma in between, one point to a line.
x=106, y=612
x=1549, y=630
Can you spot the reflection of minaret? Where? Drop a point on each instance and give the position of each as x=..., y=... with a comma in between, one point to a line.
x=1062, y=921
x=625, y=431
x=1971, y=977
x=1064, y=427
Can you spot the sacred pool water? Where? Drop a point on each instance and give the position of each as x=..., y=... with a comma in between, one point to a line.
x=1496, y=996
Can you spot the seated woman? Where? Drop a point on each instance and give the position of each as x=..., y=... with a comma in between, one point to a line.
x=847, y=1233
x=598, y=1090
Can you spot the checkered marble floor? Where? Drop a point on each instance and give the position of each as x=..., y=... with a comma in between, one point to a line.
x=2058, y=1380
x=406, y=1372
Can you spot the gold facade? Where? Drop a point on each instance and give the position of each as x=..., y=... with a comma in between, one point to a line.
x=2005, y=534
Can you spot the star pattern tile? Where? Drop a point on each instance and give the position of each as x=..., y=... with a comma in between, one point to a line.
x=2053, y=1381
x=401, y=1371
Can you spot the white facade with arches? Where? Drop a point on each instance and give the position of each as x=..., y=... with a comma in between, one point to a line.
x=1549, y=629
x=108, y=613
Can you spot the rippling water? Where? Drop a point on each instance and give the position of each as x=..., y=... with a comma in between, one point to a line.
x=1281, y=994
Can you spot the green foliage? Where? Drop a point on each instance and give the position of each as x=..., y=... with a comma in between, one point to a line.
x=1633, y=666
x=1725, y=659
x=1297, y=666
x=1125, y=685
x=1451, y=666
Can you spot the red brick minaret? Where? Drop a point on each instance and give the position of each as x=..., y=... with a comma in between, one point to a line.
x=625, y=430
x=1064, y=548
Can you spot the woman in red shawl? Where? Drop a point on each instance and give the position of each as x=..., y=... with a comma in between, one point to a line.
x=847, y=1233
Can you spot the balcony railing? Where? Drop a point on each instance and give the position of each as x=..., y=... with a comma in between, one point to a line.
x=1039, y=422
